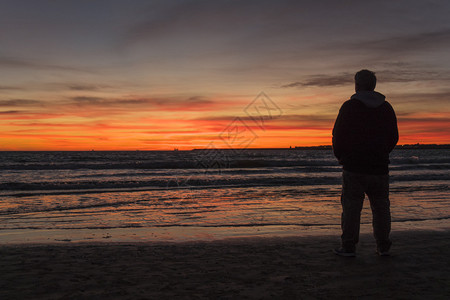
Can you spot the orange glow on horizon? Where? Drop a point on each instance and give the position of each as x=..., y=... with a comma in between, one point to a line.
x=139, y=123
x=72, y=137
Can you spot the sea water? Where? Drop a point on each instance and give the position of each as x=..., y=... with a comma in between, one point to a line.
x=215, y=190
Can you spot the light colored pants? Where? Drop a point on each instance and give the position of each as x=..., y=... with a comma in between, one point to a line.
x=354, y=188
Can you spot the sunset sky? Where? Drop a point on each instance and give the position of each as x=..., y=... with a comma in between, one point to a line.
x=159, y=75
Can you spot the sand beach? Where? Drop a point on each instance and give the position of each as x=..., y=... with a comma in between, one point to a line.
x=240, y=268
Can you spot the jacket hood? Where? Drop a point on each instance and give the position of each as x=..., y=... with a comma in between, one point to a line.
x=371, y=99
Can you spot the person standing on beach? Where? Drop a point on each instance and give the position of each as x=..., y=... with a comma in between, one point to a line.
x=364, y=134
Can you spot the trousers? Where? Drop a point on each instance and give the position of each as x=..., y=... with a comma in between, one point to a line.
x=354, y=188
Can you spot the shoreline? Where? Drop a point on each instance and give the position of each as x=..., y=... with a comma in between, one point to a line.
x=253, y=268
x=181, y=234
x=176, y=149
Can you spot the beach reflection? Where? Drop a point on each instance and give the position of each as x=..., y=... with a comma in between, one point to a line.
x=210, y=208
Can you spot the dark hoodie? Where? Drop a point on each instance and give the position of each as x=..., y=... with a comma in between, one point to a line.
x=364, y=134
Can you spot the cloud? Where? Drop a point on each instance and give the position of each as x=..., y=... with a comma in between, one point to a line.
x=442, y=121
x=20, y=102
x=89, y=100
x=285, y=117
x=284, y=122
x=9, y=88
x=88, y=87
x=25, y=115
x=254, y=33
x=95, y=107
x=10, y=112
x=400, y=48
x=436, y=97
x=409, y=43
x=245, y=23
x=194, y=16
x=322, y=80
x=411, y=75
x=11, y=62
x=401, y=73
x=194, y=103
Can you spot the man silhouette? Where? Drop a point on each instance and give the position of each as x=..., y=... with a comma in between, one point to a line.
x=364, y=134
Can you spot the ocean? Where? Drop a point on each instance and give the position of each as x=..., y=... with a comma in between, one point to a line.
x=87, y=195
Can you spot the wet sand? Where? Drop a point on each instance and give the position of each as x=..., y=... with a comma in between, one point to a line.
x=244, y=268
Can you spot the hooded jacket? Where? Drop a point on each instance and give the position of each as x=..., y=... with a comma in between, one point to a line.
x=365, y=132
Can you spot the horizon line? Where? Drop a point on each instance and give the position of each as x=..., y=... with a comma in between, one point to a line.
x=175, y=149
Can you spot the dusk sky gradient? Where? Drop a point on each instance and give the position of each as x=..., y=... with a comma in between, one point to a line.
x=158, y=75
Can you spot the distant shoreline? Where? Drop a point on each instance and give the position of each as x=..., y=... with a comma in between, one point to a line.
x=405, y=146
x=329, y=147
x=320, y=147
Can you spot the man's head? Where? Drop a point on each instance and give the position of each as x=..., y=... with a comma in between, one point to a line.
x=365, y=80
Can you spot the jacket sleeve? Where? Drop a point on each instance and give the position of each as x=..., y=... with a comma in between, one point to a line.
x=338, y=140
x=393, y=139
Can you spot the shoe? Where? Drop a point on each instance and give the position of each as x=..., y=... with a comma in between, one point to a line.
x=342, y=252
x=383, y=253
